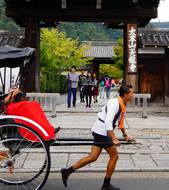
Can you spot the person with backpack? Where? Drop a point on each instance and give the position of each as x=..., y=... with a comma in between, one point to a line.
x=101, y=88
x=95, y=90
x=103, y=131
x=89, y=87
x=108, y=87
x=82, y=80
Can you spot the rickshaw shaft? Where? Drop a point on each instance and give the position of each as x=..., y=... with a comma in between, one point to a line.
x=57, y=143
x=76, y=139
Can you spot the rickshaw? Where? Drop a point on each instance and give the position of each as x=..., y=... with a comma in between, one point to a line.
x=23, y=141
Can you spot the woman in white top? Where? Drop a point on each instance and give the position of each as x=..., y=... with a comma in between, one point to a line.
x=103, y=133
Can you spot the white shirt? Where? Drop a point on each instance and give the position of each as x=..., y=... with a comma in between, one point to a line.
x=112, y=109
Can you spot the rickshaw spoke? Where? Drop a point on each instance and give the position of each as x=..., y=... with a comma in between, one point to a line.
x=22, y=160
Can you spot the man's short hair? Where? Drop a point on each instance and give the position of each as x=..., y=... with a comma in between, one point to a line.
x=89, y=72
x=124, y=89
x=73, y=67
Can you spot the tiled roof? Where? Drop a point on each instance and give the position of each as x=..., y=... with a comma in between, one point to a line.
x=100, y=50
x=154, y=37
x=15, y=39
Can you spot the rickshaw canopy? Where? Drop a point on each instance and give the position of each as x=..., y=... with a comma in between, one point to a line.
x=15, y=57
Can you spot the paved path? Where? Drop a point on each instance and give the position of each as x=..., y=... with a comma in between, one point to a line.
x=155, y=109
x=151, y=155
x=153, y=133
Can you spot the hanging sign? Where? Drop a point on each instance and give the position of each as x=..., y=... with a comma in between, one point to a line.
x=132, y=47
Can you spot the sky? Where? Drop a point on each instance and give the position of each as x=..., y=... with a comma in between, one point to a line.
x=163, y=12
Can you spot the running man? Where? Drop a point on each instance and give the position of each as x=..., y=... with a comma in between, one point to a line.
x=103, y=131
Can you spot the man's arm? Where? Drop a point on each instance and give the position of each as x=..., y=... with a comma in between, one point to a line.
x=11, y=95
x=124, y=132
x=112, y=135
x=126, y=137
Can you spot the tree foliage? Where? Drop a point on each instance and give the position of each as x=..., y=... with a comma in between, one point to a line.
x=89, y=31
x=60, y=52
x=111, y=71
x=115, y=70
x=118, y=59
x=5, y=22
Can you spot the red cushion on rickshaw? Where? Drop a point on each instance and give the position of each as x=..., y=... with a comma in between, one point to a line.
x=32, y=110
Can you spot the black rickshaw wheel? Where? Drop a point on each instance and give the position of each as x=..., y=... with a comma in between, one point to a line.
x=29, y=161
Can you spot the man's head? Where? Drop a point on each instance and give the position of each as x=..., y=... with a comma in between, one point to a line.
x=126, y=93
x=89, y=73
x=73, y=69
x=82, y=72
x=94, y=75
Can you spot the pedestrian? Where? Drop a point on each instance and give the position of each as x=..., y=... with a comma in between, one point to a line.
x=102, y=88
x=95, y=90
x=82, y=81
x=113, y=84
x=89, y=87
x=72, y=86
x=108, y=87
x=103, y=131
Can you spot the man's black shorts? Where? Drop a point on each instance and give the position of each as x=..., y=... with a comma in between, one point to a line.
x=101, y=138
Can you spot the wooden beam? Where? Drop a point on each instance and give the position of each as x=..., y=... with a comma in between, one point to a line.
x=82, y=14
x=64, y=4
x=132, y=48
x=131, y=55
x=166, y=78
x=125, y=57
x=132, y=79
x=96, y=68
x=32, y=39
x=98, y=4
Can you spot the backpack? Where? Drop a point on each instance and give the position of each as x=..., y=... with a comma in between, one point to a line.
x=102, y=83
x=107, y=83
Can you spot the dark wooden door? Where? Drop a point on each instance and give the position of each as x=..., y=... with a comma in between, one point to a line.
x=151, y=78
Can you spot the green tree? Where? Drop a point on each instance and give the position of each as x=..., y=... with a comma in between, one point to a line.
x=115, y=70
x=58, y=53
x=87, y=31
x=5, y=22
x=118, y=59
x=111, y=71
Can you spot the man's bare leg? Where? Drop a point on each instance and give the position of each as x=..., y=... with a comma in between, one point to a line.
x=113, y=153
x=92, y=157
x=95, y=152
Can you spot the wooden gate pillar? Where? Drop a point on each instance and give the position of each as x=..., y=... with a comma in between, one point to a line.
x=32, y=39
x=131, y=55
x=166, y=78
x=96, y=68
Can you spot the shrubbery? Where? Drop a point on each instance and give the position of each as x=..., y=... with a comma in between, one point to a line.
x=53, y=83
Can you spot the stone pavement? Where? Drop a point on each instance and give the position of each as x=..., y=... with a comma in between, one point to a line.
x=153, y=133
x=155, y=109
x=151, y=155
